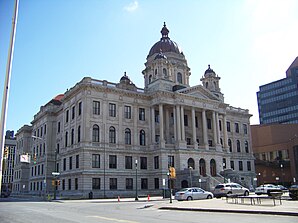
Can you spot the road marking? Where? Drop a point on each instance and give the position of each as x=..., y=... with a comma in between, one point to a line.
x=112, y=219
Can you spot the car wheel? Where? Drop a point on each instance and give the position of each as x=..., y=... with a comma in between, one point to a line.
x=246, y=193
x=189, y=198
x=209, y=197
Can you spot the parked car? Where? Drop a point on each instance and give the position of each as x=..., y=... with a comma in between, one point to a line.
x=222, y=190
x=267, y=189
x=193, y=193
x=5, y=193
x=293, y=192
x=283, y=188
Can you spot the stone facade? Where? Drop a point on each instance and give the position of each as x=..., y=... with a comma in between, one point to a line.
x=94, y=134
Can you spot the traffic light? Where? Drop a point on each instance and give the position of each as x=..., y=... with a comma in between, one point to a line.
x=172, y=172
x=34, y=158
x=58, y=182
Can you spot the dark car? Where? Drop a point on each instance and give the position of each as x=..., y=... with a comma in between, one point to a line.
x=293, y=192
x=5, y=193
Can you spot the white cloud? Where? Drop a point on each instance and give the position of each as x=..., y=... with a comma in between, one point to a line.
x=131, y=7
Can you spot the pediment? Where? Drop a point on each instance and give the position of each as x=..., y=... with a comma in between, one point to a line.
x=199, y=91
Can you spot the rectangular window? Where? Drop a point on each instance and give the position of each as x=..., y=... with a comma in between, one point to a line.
x=113, y=162
x=156, y=117
x=245, y=129
x=240, y=166
x=142, y=114
x=171, y=161
x=58, y=127
x=69, y=184
x=80, y=108
x=228, y=126
x=209, y=123
x=70, y=162
x=129, y=183
x=67, y=116
x=95, y=183
x=219, y=125
x=64, y=164
x=185, y=120
x=237, y=127
x=144, y=183
x=156, y=183
x=77, y=161
x=156, y=162
x=113, y=183
x=248, y=166
x=127, y=112
x=63, y=184
x=196, y=121
x=76, y=184
x=188, y=141
x=96, y=108
x=128, y=162
x=143, y=163
x=210, y=142
x=73, y=112
x=112, y=110
x=232, y=165
x=95, y=161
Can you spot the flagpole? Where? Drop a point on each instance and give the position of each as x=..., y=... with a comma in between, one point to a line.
x=7, y=85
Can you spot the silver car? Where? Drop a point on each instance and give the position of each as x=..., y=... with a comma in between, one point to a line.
x=222, y=190
x=193, y=193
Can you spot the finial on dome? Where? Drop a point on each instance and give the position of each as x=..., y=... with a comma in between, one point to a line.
x=164, y=31
x=124, y=73
x=208, y=66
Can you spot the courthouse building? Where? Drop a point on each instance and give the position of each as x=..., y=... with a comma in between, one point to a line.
x=115, y=139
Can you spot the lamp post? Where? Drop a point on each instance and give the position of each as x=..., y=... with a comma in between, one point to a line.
x=190, y=169
x=281, y=168
x=136, y=163
x=170, y=186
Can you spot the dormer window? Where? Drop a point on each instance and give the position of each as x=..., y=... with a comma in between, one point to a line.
x=179, y=78
x=150, y=79
x=164, y=71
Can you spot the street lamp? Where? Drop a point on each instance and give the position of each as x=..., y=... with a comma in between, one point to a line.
x=170, y=186
x=190, y=169
x=136, y=163
x=281, y=168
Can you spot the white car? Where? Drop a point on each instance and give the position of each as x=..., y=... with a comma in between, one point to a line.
x=266, y=189
x=193, y=193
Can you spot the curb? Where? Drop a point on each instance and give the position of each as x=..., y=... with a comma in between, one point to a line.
x=231, y=211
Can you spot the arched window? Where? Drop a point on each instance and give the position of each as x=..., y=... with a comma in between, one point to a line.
x=179, y=78
x=155, y=71
x=95, y=133
x=164, y=71
x=206, y=84
x=224, y=163
x=150, y=79
x=230, y=145
x=72, y=137
x=79, y=133
x=127, y=136
x=202, y=164
x=246, y=147
x=66, y=139
x=112, y=135
x=142, y=138
x=238, y=146
x=191, y=163
x=221, y=143
x=213, y=167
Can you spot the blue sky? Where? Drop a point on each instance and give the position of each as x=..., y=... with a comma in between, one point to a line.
x=248, y=43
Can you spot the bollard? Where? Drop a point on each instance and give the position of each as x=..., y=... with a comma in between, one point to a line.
x=148, y=197
x=118, y=198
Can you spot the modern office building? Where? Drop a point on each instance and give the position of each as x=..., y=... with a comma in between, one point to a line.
x=115, y=139
x=275, y=147
x=278, y=101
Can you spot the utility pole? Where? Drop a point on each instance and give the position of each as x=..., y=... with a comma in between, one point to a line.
x=7, y=85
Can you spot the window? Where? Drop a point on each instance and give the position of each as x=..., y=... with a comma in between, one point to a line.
x=66, y=139
x=230, y=145
x=95, y=133
x=144, y=183
x=77, y=161
x=80, y=108
x=245, y=129
x=69, y=184
x=73, y=109
x=72, y=137
x=224, y=163
x=67, y=116
x=219, y=123
x=45, y=129
x=156, y=183
x=95, y=161
x=63, y=184
x=96, y=108
x=143, y=163
x=58, y=127
x=209, y=123
x=58, y=148
x=127, y=112
x=232, y=165
x=156, y=116
x=185, y=120
x=127, y=136
x=246, y=146
x=113, y=162
x=128, y=162
x=70, y=162
x=240, y=166
x=196, y=121
x=142, y=138
x=228, y=126
x=95, y=183
x=210, y=142
x=112, y=135
x=113, y=183
x=179, y=78
x=76, y=184
x=129, y=183
x=156, y=162
x=171, y=161
x=188, y=141
x=237, y=127
x=64, y=164
x=142, y=114
x=79, y=133
x=248, y=166
x=112, y=110
x=238, y=146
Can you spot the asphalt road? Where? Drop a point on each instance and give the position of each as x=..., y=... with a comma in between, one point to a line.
x=88, y=211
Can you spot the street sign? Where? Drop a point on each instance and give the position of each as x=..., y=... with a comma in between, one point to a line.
x=55, y=173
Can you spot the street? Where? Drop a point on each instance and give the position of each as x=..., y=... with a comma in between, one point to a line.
x=89, y=211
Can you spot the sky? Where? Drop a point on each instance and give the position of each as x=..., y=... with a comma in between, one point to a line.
x=248, y=43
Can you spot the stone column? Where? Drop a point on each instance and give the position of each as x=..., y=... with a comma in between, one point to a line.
x=182, y=124
x=161, y=126
x=153, y=125
x=167, y=126
x=217, y=127
x=214, y=128
x=194, y=134
x=225, y=132
x=175, y=123
x=205, y=133
x=178, y=123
